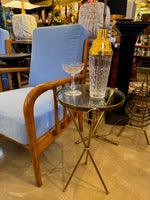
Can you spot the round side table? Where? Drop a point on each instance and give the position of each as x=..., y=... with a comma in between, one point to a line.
x=113, y=100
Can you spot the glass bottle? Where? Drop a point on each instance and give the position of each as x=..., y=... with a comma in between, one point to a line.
x=100, y=57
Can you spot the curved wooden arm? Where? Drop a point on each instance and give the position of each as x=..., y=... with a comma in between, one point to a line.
x=17, y=69
x=39, y=89
x=30, y=99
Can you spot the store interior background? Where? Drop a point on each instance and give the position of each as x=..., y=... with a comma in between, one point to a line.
x=65, y=14
x=68, y=14
x=125, y=167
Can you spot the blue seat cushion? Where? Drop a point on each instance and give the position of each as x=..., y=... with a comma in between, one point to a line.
x=12, y=122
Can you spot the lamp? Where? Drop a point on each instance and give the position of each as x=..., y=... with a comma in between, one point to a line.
x=23, y=24
x=23, y=4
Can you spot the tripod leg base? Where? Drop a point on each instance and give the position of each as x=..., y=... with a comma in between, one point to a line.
x=106, y=190
x=74, y=171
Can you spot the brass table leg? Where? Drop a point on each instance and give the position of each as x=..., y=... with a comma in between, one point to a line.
x=95, y=134
x=73, y=171
x=90, y=135
x=86, y=149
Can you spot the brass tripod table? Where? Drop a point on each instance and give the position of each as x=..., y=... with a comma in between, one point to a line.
x=84, y=103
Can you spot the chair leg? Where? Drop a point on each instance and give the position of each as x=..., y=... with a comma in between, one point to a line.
x=36, y=167
x=80, y=121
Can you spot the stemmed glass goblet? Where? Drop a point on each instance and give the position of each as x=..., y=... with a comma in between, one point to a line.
x=73, y=69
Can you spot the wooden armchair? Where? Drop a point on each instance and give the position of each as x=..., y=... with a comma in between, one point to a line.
x=37, y=118
x=4, y=36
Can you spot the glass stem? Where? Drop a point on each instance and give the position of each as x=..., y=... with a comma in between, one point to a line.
x=73, y=84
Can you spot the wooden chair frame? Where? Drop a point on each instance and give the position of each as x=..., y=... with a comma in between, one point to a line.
x=36, y=146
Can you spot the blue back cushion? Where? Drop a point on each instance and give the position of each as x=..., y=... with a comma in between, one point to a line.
x=52, y=46
x=3, y=36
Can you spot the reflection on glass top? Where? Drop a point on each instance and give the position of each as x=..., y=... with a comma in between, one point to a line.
x=113, y=99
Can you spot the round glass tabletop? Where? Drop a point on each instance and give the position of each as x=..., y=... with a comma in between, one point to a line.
x=113, y=99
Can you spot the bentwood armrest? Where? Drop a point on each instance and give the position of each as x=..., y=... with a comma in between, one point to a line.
x=28, y=109
x=18, y=70
x=39, y=89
